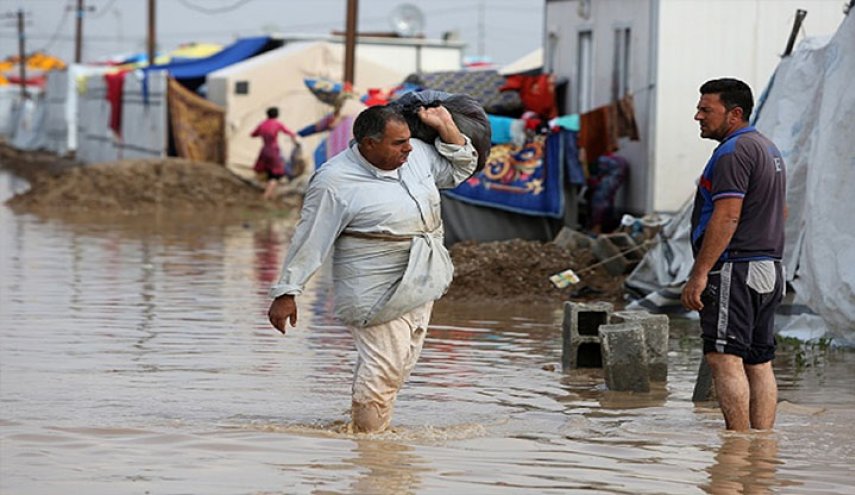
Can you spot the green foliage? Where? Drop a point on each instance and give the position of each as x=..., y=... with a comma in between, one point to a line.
x=805, y=354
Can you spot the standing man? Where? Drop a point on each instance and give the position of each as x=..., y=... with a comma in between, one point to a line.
x=737, y=281
x=375, y=206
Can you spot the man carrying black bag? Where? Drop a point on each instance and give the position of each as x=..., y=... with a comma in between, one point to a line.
x=376, y=208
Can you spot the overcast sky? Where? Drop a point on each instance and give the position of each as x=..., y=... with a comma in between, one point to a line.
x=507, y=29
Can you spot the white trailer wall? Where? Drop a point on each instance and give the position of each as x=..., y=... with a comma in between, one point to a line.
x=705, y=39
x=565, y=21
x=56, y=122
x=144, y=121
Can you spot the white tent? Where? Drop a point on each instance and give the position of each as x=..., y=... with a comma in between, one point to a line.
x=275, y=78
x=528, y=62
x=808, y=111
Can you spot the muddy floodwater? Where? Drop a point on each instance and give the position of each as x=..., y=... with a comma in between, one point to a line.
x=135, y=358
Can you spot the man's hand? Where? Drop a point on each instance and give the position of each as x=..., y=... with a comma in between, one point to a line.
x=282, y=310
x=691, y=296
x=440, y=119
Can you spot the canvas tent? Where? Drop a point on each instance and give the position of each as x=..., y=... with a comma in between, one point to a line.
x=807, y=110
x=275, y=78
x=530, y=62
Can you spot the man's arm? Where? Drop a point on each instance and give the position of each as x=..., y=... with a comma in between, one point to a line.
x=322, y=220
x=717, y=236
x=454, y=158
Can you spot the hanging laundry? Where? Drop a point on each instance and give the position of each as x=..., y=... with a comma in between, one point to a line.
x=115, y=87
x=598, y=133
x=625, y=118
x=569, y=122
x=500, y=129
x=561, y=147
x=536, y=92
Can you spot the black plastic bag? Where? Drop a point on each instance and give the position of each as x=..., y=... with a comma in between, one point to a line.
x=468, y=115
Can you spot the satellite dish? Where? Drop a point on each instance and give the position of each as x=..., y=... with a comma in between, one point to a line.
x=407, y=20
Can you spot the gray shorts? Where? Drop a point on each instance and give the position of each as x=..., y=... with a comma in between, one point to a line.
x=739, y=309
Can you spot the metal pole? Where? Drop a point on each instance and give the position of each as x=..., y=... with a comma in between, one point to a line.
x=22, y=55
x=151, y=31
x=350, y=41
x=797, y=24
x=78, y=34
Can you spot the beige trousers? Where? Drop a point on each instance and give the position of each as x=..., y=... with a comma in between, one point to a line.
x=386, y=354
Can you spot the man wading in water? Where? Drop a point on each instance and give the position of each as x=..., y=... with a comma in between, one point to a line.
x=738, y=239
x=376, y=208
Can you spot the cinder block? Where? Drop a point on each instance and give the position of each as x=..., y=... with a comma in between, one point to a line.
x=656, y=332
x=568, y=238
x=627, y=245
x=625, y=357
x=610, y=255
x=704, y=390
x=580, y=333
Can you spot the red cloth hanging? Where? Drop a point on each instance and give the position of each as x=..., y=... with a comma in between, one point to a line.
x=536, y=92
x=115, y=86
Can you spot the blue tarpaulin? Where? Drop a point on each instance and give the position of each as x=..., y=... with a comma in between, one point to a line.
x=241, y=49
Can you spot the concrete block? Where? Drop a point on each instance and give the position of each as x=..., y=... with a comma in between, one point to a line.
x=625, y=357
x=580, y=333
x=656, y=332
x=610, y=255
x=627, y=245
x=570, y=239
x=704, y=390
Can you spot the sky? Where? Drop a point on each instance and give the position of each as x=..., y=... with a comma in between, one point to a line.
x=502, y=30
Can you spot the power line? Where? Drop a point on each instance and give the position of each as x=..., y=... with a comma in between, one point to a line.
x=102, y=11
x=55, y=36
x=214, y=10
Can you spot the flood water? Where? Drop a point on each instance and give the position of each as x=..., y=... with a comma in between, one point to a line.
x=135, y=357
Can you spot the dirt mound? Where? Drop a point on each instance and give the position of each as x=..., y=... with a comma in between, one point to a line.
x=519, y=270
x=139, y=186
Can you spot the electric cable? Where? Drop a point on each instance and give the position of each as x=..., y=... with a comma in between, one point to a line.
x=214, y=10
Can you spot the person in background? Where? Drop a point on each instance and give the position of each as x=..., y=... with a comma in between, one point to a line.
x=270, y=164
x=376, y=208
x=737, y=280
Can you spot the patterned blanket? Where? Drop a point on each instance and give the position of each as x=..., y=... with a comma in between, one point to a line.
x=517, y=179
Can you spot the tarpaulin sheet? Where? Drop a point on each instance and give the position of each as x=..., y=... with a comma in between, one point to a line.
x=241, y=49
x=807, y=112
x=198, y=126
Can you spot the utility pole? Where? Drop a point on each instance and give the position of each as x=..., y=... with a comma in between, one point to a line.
x=151, y=31
x=350, y=41
x=79, y=12
x=22, y=55
x=78, y=33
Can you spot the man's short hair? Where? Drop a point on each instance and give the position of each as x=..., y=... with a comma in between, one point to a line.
x=371, y=123
x=272, y=112
x=733, y=93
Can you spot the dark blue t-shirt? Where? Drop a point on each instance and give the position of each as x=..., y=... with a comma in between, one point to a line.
x=745, y=165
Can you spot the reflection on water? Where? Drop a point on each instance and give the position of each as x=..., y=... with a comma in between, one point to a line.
x=386, y=468
x=745, y=463
x=135, y=356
